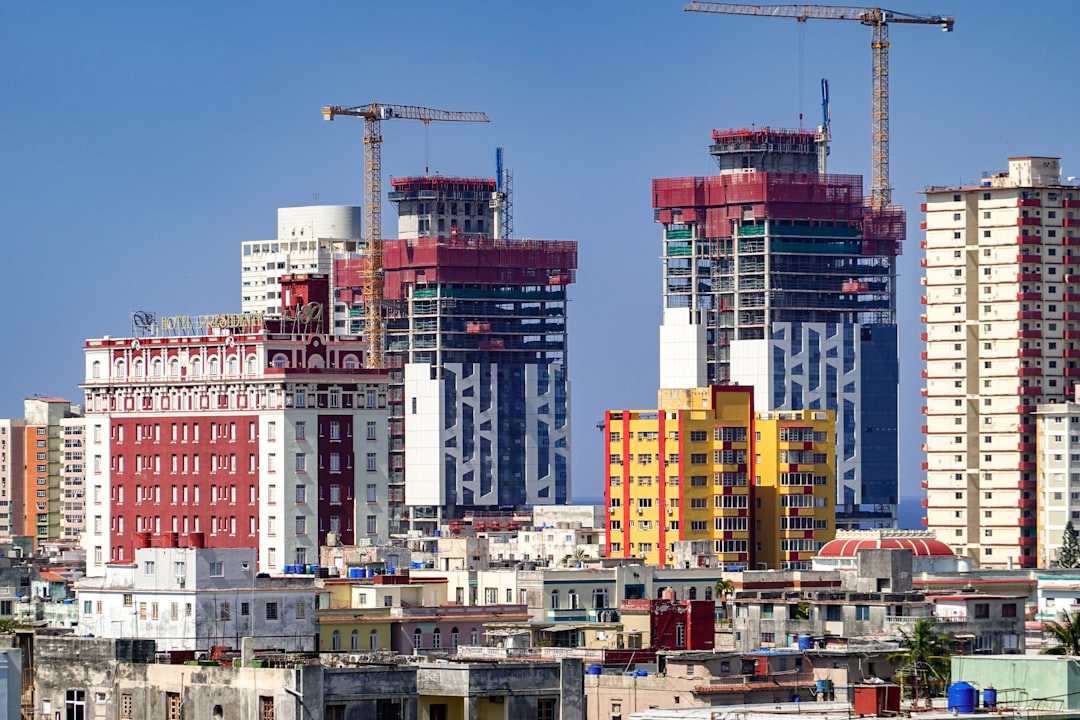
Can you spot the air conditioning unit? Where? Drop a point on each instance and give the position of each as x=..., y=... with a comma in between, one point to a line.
x=640, y=511
x=612, y=509
x=671, y=511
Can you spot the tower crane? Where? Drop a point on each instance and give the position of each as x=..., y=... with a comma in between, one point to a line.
x=373, y=114
x=878, y=20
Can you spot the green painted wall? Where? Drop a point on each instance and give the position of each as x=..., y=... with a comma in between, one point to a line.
x=1042, y=681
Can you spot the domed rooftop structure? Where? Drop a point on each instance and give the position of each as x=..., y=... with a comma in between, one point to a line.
x=928, y=553
x=922, y=543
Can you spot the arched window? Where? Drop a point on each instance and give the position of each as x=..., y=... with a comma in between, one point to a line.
x=373, y=641
x=474, y=637
x=436, y=638
x=692, y=594
x=155, y=368
x=571, y=599
x=355, y=640
x=121, y=369
x=554, y=599
x=137, y=368
x=280, y=360
x=350, y=362
x=174, y=368
x=708, y=592
x=196, y=366
x=251, y=365
x=453, y=637
x=95, y=369
x=417, y=639
x=215, y=366
x=335, y=642
x=234, y=365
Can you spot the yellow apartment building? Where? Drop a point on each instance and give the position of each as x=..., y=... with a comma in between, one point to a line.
x=704, y=466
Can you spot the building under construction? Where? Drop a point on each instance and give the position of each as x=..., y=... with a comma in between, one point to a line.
x=783, y=278
x=476, y=348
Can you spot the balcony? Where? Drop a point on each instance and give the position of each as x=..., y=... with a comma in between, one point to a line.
x=922, y=225
x=1071, y=315
x=1022, y=258
x=922, y=262
x=1071, y=353
x=924, y=521
x=1029, y=390
x=922, y=244
x=1029, y=202
x=922, y=318
x=1026, y=466
x=1028, y=239
x=1072, y=334
x=1072, y=278
x=1071, y=297
x=1071, y=259
x=1029, y=295
x=925, y=466
x=1070, y=241
x=1029, y=352
x=924, y=374
x=924, y=484
x=925, y=502
x=1071, y=222
x=1028, y=503
x=1026, y=484
x=922, y=299
x=1028, y=221
x=1026, y=447
x=1029, y=277
x=923, y=336
x=923, y=355
x=1029, y=315
x=1029, y=334
x=1026, y=522
x=1029, y=372
x=1072, y=372
x=1069, y=203
x=923, y=429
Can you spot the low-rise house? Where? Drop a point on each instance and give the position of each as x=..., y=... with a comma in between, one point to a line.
x=81, y=677
x=392, y=612
x=198, y=598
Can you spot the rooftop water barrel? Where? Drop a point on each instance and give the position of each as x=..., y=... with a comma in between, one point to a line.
x=806, y=642
x=962, y=697
x=594, y=669
x=641, y=673
x=989, y=698
x=356, y=573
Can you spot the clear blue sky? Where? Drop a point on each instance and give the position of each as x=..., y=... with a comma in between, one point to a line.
x=142, y=142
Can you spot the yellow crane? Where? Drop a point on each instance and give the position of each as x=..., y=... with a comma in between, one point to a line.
x=878, y=19
x=373, y=114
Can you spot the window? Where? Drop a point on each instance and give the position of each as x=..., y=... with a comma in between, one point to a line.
x=862, y=612
x=371, y=464
x=371, y=429
x=266, y=708
x=301, y=525
x=545, y=709
x=301, y=494
x=982, y=611
x=417, y=638
x=301, y=462
x=217, y=569
x=271, y=611
x=335, y=430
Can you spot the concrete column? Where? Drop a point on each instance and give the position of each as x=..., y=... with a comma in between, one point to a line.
x=571, y=689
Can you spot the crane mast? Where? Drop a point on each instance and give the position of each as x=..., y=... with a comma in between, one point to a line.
x=878, y=20
x=372, y=282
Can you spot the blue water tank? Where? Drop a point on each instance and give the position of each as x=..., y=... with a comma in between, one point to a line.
x=356, y=573
x=438, y=533
x=806, y=642
x=962, y=697
x=641, y=673
x=990, y=698
x=594, y=669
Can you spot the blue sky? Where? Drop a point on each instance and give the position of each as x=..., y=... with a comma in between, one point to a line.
x=142, y=142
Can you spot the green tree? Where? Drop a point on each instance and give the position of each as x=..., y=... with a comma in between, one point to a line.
x=924, y=658
x=1069, y=554
x=1066, y=634
x=724, y=588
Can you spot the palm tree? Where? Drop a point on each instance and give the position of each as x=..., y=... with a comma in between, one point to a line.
x=924, y=657
x=1067, y=635
x=724, y=587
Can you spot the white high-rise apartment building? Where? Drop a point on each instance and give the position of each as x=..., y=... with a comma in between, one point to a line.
x=1002, y=336
x=1058, y=446
x=309, y=239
